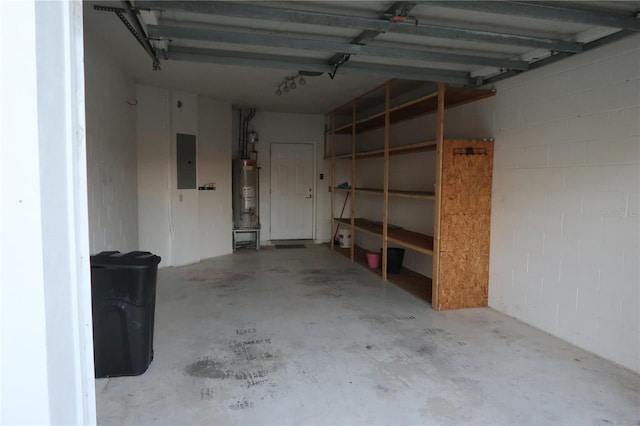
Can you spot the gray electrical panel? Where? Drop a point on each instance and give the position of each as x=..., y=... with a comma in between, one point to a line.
x=186, y=158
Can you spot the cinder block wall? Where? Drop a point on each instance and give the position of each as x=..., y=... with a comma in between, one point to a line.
x=183, y=226
x=564, y=235
x=111, y=153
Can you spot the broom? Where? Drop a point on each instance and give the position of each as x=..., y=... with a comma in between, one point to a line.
x=341, y=213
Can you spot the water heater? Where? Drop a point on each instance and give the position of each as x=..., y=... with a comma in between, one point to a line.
x=245, y=194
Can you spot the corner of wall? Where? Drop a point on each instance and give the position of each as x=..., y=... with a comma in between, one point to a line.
x=214, y=166
x=111, y=154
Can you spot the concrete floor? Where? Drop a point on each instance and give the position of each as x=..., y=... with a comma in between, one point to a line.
x=302, y=336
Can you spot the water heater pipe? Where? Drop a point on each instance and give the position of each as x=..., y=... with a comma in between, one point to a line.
x=240, y=127
x=244, y=142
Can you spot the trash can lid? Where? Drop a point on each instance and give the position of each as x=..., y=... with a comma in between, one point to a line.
x=133, y=259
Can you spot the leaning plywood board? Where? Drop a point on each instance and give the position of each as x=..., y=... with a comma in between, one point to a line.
x=465, y=214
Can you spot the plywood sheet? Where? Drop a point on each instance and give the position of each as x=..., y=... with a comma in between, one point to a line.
x=465, y=219
x=457, y=202
x=465, y=232
x=471, y=298
x=464, y=269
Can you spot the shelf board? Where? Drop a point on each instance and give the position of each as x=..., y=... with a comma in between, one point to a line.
x=418, y=195
x=342, y=129
x=413, y=282
x=421, y=106
x=410, y=281
x=364, y=225
x=396, y=150
x=403, y=149
x=412, y=240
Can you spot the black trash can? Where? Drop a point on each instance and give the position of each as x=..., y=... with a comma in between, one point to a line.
x=123, y=297
x=395, y=256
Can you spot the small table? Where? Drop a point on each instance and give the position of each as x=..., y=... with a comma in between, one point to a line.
x=255, y=242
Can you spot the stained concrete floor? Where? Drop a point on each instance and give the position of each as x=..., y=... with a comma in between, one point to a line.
x=302, y=336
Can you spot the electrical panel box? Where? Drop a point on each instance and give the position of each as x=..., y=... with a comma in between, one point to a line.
x=186, y=159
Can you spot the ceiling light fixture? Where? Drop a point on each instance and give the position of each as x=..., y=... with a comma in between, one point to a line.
x=290, y=83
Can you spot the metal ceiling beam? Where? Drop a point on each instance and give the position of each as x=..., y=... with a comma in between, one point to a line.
x=202, y=34
x=402, y=7
x=225, y=57
x=559, y=56
x=406, y=73
x=547, y=12
x=138, y=32
x=356, y=22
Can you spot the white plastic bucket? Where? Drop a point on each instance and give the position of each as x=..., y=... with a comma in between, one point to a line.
x=344, y=237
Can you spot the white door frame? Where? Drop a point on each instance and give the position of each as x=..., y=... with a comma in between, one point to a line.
x=45, y=296
x=314, y=206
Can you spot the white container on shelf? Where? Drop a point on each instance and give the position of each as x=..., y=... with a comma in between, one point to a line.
x=344, y=237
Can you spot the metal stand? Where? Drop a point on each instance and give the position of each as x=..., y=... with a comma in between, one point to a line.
x=255, y=242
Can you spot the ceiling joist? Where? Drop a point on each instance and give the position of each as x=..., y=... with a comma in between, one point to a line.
x=201, y=34
x=562, y=55
x=412, y=49
x=361, y=23
x=398, y=10
x=225, y=57
x=545, y=11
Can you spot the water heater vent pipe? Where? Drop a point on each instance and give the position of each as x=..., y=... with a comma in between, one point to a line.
x=244, y=133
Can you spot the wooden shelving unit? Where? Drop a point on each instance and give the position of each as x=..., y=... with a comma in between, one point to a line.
x=397, y=150
x=417, y=195
x=408, y=280
x=461, y=201
x=423, y=105
x=409, y=239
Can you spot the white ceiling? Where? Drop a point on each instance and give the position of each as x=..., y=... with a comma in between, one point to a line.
x=251, y=86
x=242, y=86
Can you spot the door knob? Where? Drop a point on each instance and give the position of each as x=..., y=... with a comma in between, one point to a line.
x=309, y=196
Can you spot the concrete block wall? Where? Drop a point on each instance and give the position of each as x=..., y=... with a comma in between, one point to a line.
x=184, y=213
x=214, y=165
x=111, y=153
x=183, y=226
x=153, y=127
x=565, y=211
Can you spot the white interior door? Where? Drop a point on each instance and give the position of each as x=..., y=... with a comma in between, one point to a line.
x=291, y=191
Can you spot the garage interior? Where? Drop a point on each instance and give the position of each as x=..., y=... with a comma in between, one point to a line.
x=304, y=336
x=498, y=143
